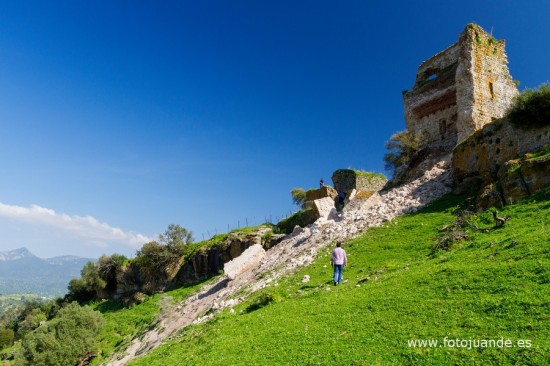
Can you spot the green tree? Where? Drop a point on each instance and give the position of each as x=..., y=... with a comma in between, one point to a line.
x=531, y=108
x=63, y=340
x=298, y=196
x=159, y=260
x=31, y=322
x=404, y=147
x=176, y=235
x=7, y=337
x=85, y=288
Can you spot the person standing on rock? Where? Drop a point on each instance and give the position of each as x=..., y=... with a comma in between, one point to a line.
x=339, y=260
x=321, y=183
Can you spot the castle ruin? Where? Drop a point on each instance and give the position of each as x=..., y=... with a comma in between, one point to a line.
x=460, y=89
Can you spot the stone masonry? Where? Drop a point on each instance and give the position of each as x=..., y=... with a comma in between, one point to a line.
x=346, y=180
x=460, y=89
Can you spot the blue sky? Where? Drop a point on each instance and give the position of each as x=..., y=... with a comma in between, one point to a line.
x=118, y=118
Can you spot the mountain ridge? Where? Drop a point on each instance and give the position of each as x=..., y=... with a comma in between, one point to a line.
x=23, y=272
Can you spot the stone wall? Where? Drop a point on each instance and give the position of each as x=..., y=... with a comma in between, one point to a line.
x=485, y=151
x=485, y=88
x=430, y=107
x=346, y=180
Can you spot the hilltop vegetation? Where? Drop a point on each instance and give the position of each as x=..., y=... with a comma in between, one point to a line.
x=493, y=285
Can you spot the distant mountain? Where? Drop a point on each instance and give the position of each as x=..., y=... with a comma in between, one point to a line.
x=23, y=272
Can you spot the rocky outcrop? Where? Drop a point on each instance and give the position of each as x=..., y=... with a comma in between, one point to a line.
x=210, y=260
x=483, y=153
x=487, y=163
x=198, y=266
x=520, y=179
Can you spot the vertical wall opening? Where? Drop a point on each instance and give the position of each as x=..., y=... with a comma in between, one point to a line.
x=442, y=128
x=491, y=90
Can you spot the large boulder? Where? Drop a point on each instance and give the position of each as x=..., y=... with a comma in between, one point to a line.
x=322, y=207
x=521, y=178
x=250, y=258
x=535, y=173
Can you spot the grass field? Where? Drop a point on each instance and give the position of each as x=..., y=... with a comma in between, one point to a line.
x=493, y=287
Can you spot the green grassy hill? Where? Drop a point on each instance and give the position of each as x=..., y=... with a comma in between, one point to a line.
x=486, y=301
x=493, y=287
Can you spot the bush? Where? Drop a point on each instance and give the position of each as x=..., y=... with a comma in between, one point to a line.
x=62, y=341
x=405, y=147
x=158, y=261
x=298, y=196
x=7, y=337
x=85, y=288
x=531, y=108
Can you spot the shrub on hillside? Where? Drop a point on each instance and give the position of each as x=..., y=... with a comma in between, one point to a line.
x=85, y=288
x=7, y=337
x=298, y=196
x=405, y=147
x=531, y=108
x=107, y=268
x=158, y=260
x=62, y=341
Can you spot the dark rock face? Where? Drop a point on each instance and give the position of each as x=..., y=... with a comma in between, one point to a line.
x=520, y=179
x=516, y=179
x=484, y=152
x=209, y=261
x=197, y=267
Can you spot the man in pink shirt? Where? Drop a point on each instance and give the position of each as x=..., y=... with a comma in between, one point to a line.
x=339, y=260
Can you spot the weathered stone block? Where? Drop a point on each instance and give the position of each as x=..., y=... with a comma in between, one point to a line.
x=322, y=207
x=345, y=180
x=250, y=258
x=325, y=191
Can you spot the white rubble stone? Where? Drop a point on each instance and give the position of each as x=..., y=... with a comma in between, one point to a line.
x=250, y=258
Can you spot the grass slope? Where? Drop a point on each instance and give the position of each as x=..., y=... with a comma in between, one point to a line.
x=491, y=286
x=124, y=324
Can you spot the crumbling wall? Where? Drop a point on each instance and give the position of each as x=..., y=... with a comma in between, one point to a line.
x=430, y=107
x=346, y=180
x=460, y=90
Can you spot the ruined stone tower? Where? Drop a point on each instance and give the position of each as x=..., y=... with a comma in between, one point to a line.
x=460, y=89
